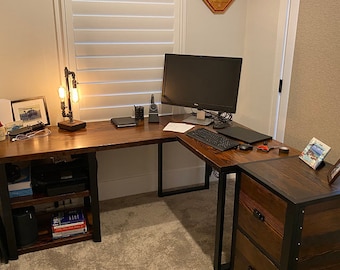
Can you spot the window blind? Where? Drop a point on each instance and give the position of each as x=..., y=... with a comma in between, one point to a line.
x=119, y=49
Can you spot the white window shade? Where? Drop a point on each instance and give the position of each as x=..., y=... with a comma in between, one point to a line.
x=119, y=49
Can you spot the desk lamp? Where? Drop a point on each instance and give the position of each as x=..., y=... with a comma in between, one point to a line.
x=72, y=93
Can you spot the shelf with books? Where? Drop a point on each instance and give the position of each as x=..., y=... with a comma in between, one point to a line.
x=81, y=168
x=45, y=239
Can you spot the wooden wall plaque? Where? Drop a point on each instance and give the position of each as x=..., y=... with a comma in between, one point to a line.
x=218, y=6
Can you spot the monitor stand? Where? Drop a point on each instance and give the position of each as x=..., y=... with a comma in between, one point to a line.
x=193, y=120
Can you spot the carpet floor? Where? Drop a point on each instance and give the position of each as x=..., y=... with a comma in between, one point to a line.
x=144, y=232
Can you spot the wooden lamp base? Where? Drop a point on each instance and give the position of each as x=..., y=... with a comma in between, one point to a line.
x=72, y=126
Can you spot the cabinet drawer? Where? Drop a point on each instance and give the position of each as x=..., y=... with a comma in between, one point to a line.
x=262, y=216
x=247, y=256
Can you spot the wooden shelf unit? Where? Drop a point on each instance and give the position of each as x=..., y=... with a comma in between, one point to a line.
x=89, y=206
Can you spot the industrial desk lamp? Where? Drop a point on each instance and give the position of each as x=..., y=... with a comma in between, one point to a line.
x=71, y=93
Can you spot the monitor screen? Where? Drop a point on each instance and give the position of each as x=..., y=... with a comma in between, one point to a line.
x=202, y=82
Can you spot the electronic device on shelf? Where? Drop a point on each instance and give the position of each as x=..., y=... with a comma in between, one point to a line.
x=153, y=111
x=215, y=140
x=201, y=82
x=59, y=178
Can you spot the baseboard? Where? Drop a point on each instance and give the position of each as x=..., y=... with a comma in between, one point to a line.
x=116, y=188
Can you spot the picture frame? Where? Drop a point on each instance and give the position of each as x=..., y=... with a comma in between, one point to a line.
x=334, y=173
x=314, y=153
x=31, y=111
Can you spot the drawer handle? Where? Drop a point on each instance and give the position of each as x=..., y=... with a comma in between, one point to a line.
x=250, y=268
x=258, y=214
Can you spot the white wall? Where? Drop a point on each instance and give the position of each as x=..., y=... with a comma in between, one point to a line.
x=28, y=52
x=29, y=67
x=215, y=34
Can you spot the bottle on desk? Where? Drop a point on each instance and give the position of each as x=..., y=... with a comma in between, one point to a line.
x=2, y=132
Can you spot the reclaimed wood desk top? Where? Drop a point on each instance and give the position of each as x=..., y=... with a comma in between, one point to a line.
x=99, y=136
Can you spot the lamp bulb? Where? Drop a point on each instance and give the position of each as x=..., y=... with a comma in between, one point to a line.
x=62, y=92
x=74, y=95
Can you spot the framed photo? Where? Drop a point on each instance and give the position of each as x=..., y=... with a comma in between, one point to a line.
x=314, y=153
x=334, y=172
x=31, y=111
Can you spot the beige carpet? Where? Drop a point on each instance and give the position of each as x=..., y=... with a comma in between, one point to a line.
x=144, y=232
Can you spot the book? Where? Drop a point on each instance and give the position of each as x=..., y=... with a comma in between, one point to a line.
x=123, y=122
x=21, y=192
x=314, y=153
x=68, y=217
x=68, y=233
x=21, y=186
x=69, y=227
x=68, y=223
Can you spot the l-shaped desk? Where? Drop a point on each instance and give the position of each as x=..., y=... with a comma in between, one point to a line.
x=100, y=136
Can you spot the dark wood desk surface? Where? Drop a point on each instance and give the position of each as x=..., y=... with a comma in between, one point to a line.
x=228, y=160
x=99, y=136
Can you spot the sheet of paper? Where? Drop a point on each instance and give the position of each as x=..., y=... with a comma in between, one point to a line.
x=5, y=111
x=178, y=127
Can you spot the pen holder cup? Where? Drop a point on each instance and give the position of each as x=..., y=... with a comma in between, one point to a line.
x=139, y=113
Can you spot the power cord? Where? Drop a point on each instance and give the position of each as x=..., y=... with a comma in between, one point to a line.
x=30, y=135
x=220, y=116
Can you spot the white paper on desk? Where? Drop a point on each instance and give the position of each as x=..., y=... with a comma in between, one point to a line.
x=178, y=127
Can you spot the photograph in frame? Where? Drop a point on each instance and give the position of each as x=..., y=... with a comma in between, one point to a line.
x=31, y=111
x=314, y=153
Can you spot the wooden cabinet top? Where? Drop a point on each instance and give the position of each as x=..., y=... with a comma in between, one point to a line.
x=294, y=180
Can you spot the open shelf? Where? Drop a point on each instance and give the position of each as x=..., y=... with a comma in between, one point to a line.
x=62, y=184
x=36, y=199
x=45, y=239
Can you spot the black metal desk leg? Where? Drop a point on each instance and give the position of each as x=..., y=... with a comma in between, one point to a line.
x=208, y=171
x=162, y=193
x=160, y=169
x=6, y=215
x=221, y=196
x=93, y=171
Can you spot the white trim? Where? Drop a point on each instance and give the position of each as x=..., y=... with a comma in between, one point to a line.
x=60, y=43
x=182, y=23
x=287, y=69
x=283, y=22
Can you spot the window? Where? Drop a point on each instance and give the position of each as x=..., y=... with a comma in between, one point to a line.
x=117, y=50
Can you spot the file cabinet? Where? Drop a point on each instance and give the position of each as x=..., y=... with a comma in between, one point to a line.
x=286, y=217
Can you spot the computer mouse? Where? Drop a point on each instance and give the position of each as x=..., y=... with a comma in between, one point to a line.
x=245, y=147
x=220, y=124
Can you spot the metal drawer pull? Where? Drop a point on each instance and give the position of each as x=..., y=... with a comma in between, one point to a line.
x=258, y=214
x=250, y=268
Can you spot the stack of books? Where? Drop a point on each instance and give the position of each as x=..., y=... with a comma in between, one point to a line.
x=68, y=223
x=21, y=185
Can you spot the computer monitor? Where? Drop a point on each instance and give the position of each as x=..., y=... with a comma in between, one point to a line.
x=202, y=82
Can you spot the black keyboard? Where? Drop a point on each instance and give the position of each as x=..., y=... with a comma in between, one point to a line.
x=218, y=141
